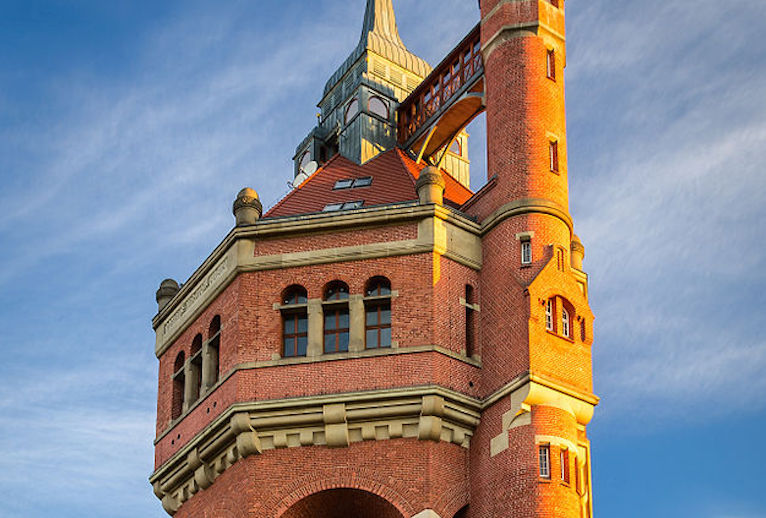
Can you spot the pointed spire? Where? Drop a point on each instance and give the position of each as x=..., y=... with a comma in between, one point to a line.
x=380, y=19
x=380, y=35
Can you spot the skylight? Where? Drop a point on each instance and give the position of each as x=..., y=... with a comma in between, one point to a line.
x=353, y=183
x=349, y=205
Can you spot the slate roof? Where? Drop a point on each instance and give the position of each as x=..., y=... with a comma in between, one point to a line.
x=393, y=180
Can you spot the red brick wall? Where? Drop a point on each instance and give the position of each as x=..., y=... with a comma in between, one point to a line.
x=411, y=475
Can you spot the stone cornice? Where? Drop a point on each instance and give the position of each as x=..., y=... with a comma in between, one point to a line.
x=430, y=413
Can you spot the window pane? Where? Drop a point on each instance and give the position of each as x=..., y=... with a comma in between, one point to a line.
x=289, y=351
x=372, y=338
x=329, y=343
x=329, y=321
x=303, y=324
x=289, y=325
x=363, y=182
x=385, y=315
x=343, y=341
x=343, y=184
x=343, y=320
x=302, y=345
x=385, y=337
x=372, y=316
x=378, y=107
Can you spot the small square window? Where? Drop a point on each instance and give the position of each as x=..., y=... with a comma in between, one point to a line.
x=363, y=182
x=344, y=184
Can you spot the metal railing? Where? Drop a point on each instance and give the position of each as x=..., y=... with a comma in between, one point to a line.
x=441, y=87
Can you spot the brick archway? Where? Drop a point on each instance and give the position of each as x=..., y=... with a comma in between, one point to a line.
x=342, y=503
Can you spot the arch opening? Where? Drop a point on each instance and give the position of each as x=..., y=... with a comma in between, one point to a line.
x=343, y=503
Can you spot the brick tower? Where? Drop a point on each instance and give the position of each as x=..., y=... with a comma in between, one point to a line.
x=383, y=342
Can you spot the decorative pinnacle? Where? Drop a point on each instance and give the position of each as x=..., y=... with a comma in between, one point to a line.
x=247, y=207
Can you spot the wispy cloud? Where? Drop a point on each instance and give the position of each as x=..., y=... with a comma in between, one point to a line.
x=668, y=194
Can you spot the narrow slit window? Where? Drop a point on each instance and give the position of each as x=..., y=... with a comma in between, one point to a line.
x=545, y=461
x=565, y=330
x=550, y=63
x=470, y=319
x=553, y=152
x=179, y=382
x=564, y=457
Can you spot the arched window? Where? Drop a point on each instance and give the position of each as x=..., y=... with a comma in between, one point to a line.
x=179, y=382
x=295, y=322
x=213, y=356
x=336, y=317
x=378, y=106
x=195, y=369
x=351, y=110
x=377, y=308
x=469, y=320
x=565, y=324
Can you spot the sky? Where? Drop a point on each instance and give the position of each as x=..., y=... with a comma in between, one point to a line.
x=128, y=127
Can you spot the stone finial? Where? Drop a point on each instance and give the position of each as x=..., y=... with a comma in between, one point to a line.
x=168, y=289
x=578, y=253
x=247, y=207
x=430, y=186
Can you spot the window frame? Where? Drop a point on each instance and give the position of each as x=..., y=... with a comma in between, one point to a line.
x=294, y=308
x=544, y=461
x=564, y=465
x=553, y=156
x=347, y=115
x=336, y=302
x=566, y=323
x=378, y=297
x=385, y=105
x=550, y=311
x=526, y=252
x=550, y=64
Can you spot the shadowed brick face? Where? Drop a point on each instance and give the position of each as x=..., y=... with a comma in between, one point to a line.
x=433, y=424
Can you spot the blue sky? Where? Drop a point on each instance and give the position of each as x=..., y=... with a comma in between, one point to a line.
x=127, y=128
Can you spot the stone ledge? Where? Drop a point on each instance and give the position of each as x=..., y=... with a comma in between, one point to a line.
x=427, y=413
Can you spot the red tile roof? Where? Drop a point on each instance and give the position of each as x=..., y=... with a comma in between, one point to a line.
x=393, y=180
